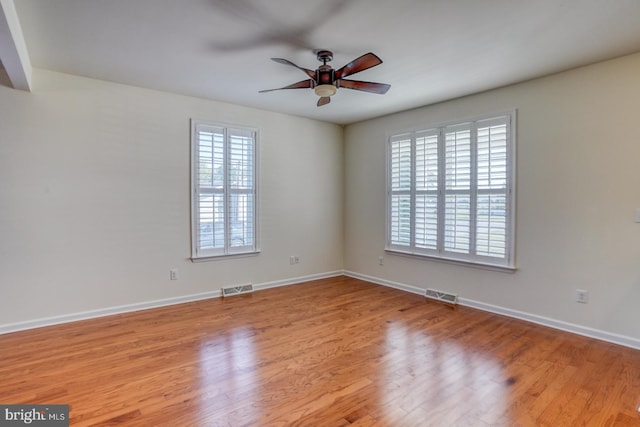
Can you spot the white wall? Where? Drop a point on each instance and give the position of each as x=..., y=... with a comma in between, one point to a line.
x=578, y=185
x=94, y=197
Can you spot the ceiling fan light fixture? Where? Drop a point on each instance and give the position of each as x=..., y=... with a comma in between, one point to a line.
x=325, y=90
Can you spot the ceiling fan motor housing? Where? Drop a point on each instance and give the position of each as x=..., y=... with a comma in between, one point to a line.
x=325, y=75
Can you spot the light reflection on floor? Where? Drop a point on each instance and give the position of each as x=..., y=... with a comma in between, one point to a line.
x=461, y=384
x=230, y=356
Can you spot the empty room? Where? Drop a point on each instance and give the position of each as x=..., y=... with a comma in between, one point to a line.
x=319, y=213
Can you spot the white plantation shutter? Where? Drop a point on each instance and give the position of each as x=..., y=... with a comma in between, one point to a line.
x=401, y=177
x=426, y=189
x=450, y=191
x=492, y=198
x=457, y=188
x=224, y=190
x=210, y=188
x=241, y=188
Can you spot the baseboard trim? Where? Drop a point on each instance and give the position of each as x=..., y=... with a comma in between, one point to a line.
x=396, y=285
x=554, y=323
x=127, y=308
x=516, y=314
x=295, y=280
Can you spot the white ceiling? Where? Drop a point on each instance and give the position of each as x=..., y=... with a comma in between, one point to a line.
x=432, y=50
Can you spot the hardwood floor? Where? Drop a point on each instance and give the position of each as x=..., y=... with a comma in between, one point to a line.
x=332, y=352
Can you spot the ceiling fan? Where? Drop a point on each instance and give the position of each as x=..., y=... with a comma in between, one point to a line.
x=325, y=81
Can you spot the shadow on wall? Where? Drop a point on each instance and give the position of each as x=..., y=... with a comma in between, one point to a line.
x=627, y=304
x=4, y=77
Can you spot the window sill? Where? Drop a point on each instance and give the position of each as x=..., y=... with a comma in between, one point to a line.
x=224, y=257
x=455, y=261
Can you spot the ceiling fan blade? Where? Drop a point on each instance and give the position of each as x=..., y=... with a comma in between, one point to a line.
x=304, y=84
x=379, y=88
x=323, y=101
x=362, y=63
x=309, y=73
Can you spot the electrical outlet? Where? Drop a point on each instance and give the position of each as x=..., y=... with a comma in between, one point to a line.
x=380, y=260
x=294, y=259
x=582, y=296
x=173, y=274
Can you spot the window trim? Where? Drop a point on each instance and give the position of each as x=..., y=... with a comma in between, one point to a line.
x=227, y=252
x=485, y=262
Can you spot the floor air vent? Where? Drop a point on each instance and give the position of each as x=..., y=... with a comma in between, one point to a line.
x=441, y=296
x=237, y=290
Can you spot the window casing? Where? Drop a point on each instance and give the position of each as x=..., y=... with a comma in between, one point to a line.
x=450, y=191
x=224, y=195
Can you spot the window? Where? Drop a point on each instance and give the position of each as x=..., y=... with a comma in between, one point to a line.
x=223, y=203
x=450, y=191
